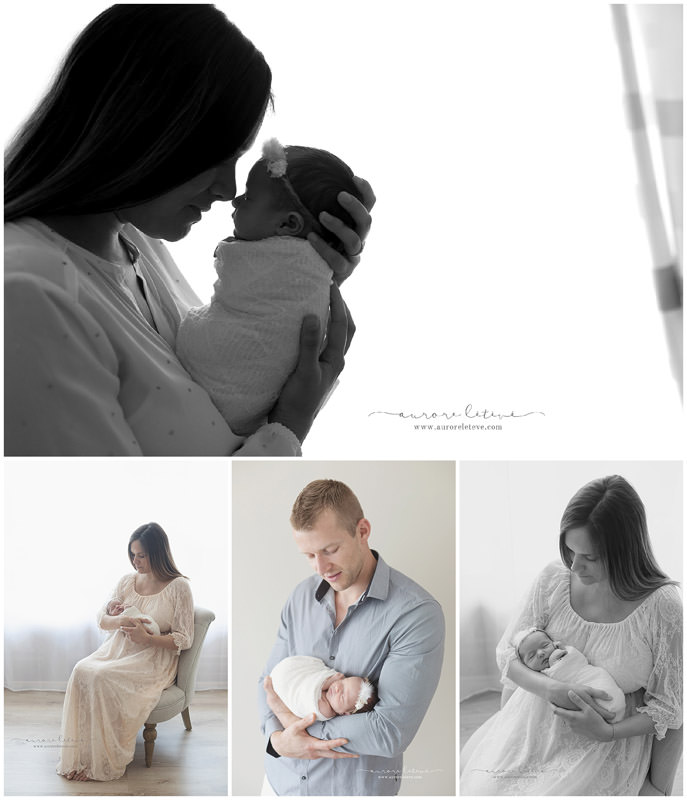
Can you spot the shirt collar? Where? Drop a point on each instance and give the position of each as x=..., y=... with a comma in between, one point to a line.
x=379, y=585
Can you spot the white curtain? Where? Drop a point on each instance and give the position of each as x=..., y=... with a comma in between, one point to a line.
x=67, y=525
x=650, y=43
x=509, y=523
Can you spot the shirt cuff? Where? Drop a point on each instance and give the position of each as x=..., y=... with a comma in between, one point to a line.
x=271, y=751
x=272, y=439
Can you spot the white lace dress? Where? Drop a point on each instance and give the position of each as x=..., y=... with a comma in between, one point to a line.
x=111, y=692
x=525, y=750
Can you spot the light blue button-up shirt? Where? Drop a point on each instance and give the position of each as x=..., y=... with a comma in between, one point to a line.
x=394, y=635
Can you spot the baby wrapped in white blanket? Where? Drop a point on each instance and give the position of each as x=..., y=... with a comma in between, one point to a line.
x=244, y=345
x=307, y=686
x=116, y=608
x=566, y=663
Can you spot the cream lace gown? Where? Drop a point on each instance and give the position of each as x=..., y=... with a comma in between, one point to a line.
x=111, y=692
x=525, y=750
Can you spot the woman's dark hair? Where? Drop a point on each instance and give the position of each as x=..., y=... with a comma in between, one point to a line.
x=614, y=515
x=156, y=544
x=148, y=97
x=317, y=177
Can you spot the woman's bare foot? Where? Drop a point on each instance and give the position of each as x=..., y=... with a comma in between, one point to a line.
x=77, y=776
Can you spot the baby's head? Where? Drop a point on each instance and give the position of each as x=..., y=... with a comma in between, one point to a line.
x=351, y=695
x=534, y=647
x=114, y=608
x=287, y=190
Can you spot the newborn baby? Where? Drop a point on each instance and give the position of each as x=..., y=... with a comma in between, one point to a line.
x=116, y=607
x=308, y=686
x=242, y=346
x=565, y=663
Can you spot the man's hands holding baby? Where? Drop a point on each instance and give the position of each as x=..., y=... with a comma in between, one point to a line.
x=294, y=741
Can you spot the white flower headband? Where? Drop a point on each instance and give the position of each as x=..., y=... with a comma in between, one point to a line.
x=365, y=694
x=274, y=153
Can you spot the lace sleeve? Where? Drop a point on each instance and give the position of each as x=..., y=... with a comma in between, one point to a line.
x=182, y=622
x=663, y=695
x=532, y=613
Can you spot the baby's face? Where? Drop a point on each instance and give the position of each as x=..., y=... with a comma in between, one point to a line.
x=259, y=211
x=343, y=694
x=535, y=650
x=114, y=608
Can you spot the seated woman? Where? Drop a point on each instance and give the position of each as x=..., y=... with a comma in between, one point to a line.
x=112, y=692
x=609, y=599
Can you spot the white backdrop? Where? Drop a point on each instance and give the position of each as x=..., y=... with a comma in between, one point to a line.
x=67, y=525
x=509, y=525
x=507, y=258
x=411, y=506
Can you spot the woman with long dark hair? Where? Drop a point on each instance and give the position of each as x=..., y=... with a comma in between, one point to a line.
x=112, y=692
x=137, y=137
x=608, y=598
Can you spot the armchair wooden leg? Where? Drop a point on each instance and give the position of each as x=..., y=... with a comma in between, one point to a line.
x=149, y=737
x=187, y=718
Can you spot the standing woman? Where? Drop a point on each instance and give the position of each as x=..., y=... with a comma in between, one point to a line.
x=112, y=692
x=137, y=137
x=608, y=598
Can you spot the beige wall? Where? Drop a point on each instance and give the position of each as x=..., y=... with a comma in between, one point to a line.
x=411, y=506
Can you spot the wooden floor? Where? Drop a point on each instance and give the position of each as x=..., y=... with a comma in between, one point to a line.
x=478, y=709
x=184, y=762
x=475, y=711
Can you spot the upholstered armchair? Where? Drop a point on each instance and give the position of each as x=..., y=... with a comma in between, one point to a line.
x=177, y=698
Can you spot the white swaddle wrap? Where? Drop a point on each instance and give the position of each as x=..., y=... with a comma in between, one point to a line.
x=575, y=668
x=243, y=346
x=151, y=627
x=298, y=682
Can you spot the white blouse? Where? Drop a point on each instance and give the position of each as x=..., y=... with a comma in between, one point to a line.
x=86, y=374
x=642, y=651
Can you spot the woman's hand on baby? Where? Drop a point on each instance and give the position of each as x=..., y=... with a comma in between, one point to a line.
x=136, y=631
x=353, y=240
x=309, y=384
x=559, y=696
x=585, y=719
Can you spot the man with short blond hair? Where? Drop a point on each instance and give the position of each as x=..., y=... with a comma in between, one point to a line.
x=323, y=494
x=360, y=617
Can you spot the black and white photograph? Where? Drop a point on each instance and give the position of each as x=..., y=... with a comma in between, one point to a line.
x=115, y=628
x=506, y=291
x=571, y=628
x=346, y=574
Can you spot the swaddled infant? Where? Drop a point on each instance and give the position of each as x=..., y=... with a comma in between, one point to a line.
x=116, y=607
x=566, y=663
x=242, y=346
x=307, y=686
